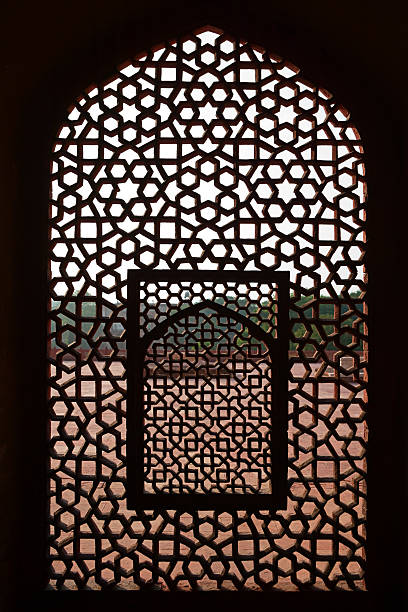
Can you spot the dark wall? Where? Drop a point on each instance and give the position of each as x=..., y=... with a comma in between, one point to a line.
x=51, y=51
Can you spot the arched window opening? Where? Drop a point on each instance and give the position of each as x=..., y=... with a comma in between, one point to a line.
x=208, y=153
x=207, y=374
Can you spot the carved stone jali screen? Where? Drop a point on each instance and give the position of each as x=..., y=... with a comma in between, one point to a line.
x=202, y=157
x=207, y=372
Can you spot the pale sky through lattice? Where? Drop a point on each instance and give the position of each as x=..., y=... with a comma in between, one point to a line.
x=265, y=195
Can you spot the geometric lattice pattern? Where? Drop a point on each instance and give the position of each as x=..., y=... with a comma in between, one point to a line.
x=207, y=153
x=207, y=386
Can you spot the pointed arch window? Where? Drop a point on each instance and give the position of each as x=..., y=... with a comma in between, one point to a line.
x=208, y=153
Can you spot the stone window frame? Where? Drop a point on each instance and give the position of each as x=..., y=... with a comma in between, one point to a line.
x=36, y=138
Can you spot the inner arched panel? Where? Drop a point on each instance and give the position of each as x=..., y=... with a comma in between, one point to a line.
x=208, y=409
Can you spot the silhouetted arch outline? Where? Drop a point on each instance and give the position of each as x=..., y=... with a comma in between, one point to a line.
x=255, y=330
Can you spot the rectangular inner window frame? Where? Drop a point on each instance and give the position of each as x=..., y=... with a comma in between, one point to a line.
x=137, y=498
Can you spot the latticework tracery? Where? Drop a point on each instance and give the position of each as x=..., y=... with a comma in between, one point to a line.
x=207, y=390
x=207, y=153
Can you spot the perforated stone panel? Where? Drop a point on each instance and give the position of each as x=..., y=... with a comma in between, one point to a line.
x=207, y=379
x=207, y=153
